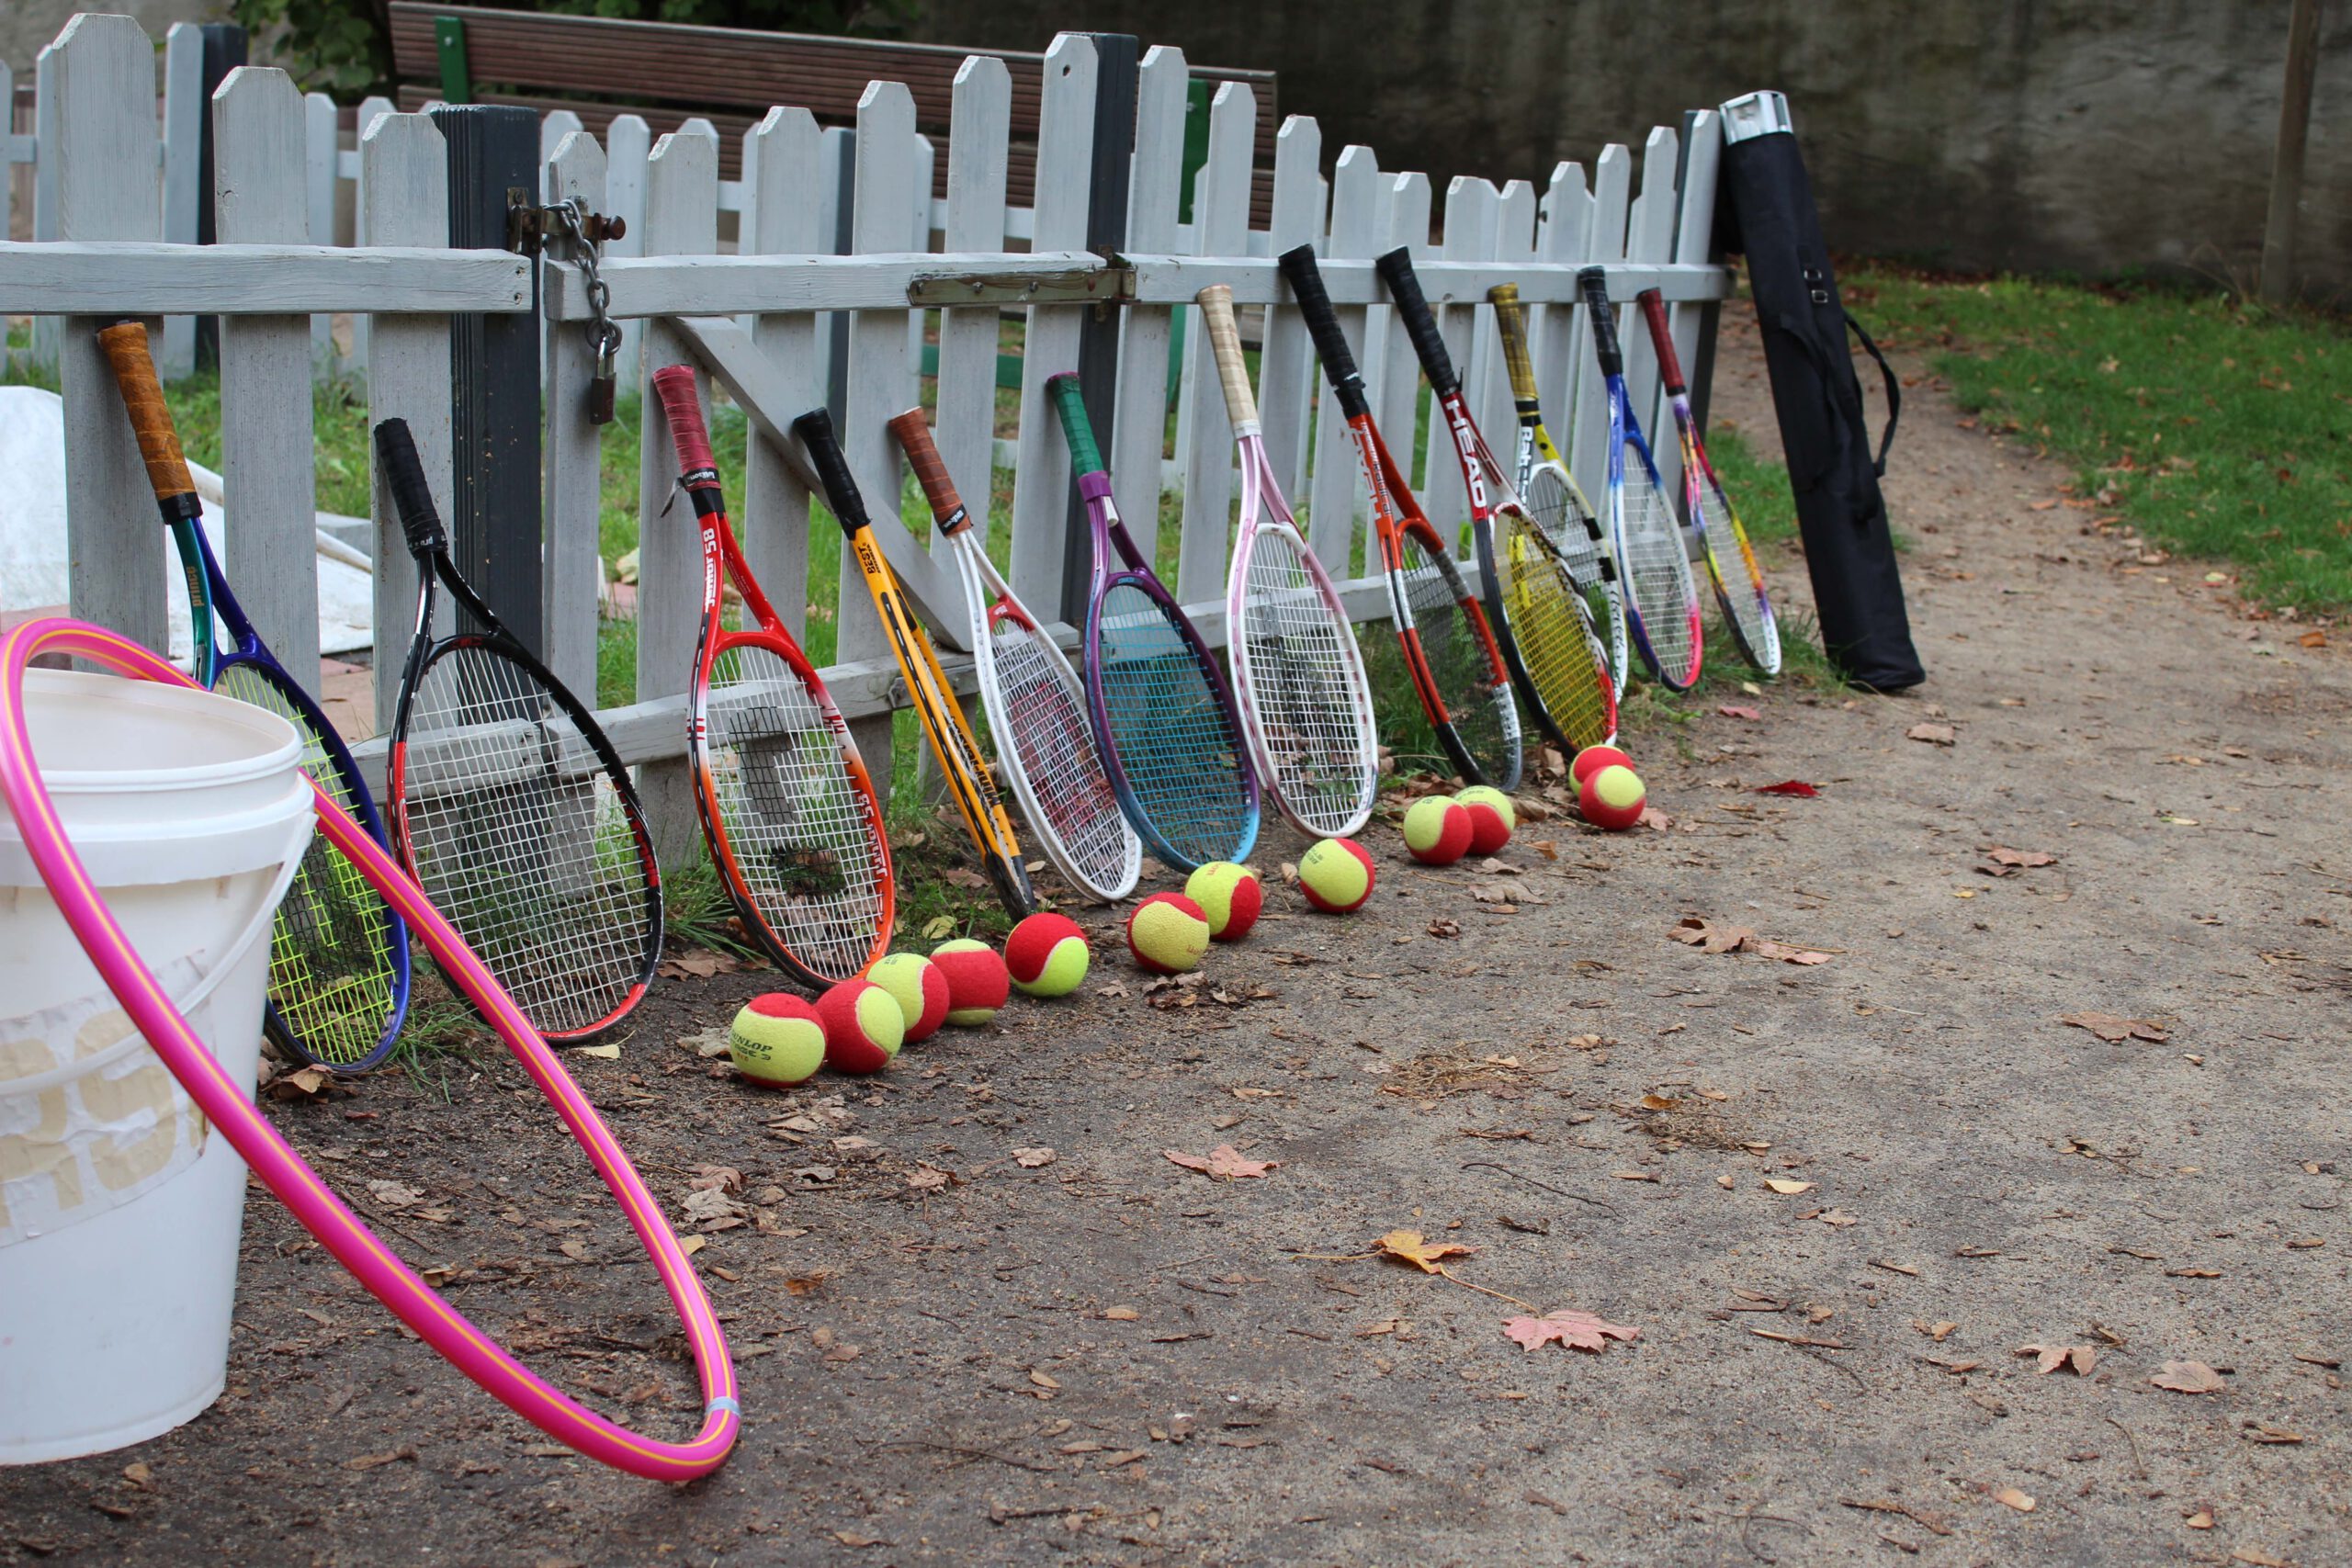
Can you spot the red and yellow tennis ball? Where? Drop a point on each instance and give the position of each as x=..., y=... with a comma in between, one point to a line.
x=914, y=983
x=1047, y=955
x=777, y=1041
x=1229, y=895
x=863, y=1027
x=1612, y=798
x=1492, y=817
x=978, y=981
x=1592, y=759
x=1168, y=932
x=1437, y=830
x=1336, y=875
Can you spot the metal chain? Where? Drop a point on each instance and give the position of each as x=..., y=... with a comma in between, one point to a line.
x=572, y=216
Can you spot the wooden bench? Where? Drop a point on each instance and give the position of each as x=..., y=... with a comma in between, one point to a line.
x=668, y=73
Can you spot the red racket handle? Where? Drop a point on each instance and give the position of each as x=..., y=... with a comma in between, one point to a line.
x=683, y=406
x=1669, y=364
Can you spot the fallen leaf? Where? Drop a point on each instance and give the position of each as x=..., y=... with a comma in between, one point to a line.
x=2050, y=1358
x=370, y=1461
x=394, y=1194
x=852, y=1537
x=1787, y=787
x=2187, y=1377
x=928, y=1177
x=1425, y=1255
x=690, y=1244
x=602, y=1053
x=2257, y=1558
x=1764, y=947
x=1787, y=1187
x=698, y=963
x=1444, y=928
x=302, y=1083
x=1042, y=1380
x=1707, y=936
x=1223, y=1162
x=1933, y=733
x=2011, y=1497
x=2110, y=1028
x=938, y=927
x=1938, y=1332
x=2312, y=639
x=1730, y=712
x=806, y=1284
x=1577, y=1330
x=2264, y=1432
x=1836, y=1217
x=2000, y=856
x=1120, y=1315
x=2202, y=1519
x=1030, y=1159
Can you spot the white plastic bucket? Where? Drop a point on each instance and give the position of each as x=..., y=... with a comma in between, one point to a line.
x=120, y=1210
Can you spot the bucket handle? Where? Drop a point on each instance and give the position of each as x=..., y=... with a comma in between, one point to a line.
x=266, y=1151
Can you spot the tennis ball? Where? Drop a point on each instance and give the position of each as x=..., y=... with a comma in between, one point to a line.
x=1047, y=955
x=1437, y=830
x=1336, y=875
x=914, y=983
x=1168, y=932
x=1229, y=895
x=863, y=1027
x=1592, y=759
x=1491, y=818
x=1612, y=798
x=978, y=983
x=777, y=1041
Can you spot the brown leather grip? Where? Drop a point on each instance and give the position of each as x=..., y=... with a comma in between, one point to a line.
x=151, y=418
x=1512, y=322
x=1669, y=364
x=931, y=471
x=1232, y=369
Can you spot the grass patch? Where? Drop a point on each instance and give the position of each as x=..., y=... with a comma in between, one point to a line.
x=2219, y=427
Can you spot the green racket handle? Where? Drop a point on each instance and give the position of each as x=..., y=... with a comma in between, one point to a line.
x=1069, y=401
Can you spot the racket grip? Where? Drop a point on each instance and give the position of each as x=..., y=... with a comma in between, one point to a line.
x=125, y=344
x=412, y=496
x=1069, y=401
x=1232, y=368
x=1510, y=320
x=1669, y=364
x=815, y=429
x=931, y=472
x=682, y=406
x=1395, y=269
x=1593, y=282
x=1306, y=280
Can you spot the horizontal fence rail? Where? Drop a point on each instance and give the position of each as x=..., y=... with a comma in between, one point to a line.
x=961, y=303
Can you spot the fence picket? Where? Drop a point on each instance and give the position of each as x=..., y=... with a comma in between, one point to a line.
x=1694, y=230
x=628, y=144
x=1203, y=434
x=183, y=112
x=1285, y=367
x=784, y=220
x=1514, y=242
x=364, y=326
x=1471, y=206
x=572, y=479
x=48, y=331
x=963, y=411
x=1139, y=429
x=1336, y=495
x=1560, y=239
x=1587, y=449
x=319, y=154
x=1400, y=400
x=104, y=178
x=1649, y=237
x=267, y=451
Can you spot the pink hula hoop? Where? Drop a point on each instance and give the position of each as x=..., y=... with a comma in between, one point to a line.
x=340, y=1231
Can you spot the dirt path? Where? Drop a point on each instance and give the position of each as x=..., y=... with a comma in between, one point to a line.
x=1106, y=1360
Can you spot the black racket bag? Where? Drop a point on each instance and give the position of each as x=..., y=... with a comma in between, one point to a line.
x=1765, y=212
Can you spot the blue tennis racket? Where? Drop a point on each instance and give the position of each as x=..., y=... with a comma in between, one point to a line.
x=338, y=955
x=1162, y=711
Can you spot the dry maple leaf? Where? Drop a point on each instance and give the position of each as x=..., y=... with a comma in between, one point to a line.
x=1577, y=1330
x=1933, y=733
x=394, y=1194
x=2187, y=1377
x=700, y=962
x=1654, y=819
x=1730, y=712
x=1787, y=1187
x=2011, y=1497
x=2000, y=856
x=1427, y=1256
x=1709, y=937
x=1764, y=947
x=2050, y=1358
x=1030, y=1159
x=1224, y=1162
x=2112, y=1029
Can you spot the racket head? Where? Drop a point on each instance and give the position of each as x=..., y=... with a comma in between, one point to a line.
x=514, y=814
x=1171, y=741
x=1298, y=678
x=1552, y=647
x=1554, y=499
x=1746, y=604
x=1045, y=741
x=1661, y=599
x=338, y=954
x=788, y=811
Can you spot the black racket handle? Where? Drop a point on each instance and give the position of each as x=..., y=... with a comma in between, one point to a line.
x=412, y=496
x=815, y=429
x=1306, y=280
x=1594, y=282
x=1396, y=270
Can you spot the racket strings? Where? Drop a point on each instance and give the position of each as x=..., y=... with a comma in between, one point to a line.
x=1744, y=603
x=1657, y=574
x=1039, y=712
x=520, y=836
x=1552, y=636
x=1298, y=662
x=1479, y=707
x=798, y=828
x=1169, y=728
x=332, y=976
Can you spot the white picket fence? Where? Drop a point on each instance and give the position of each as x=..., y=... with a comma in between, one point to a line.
x=749, y=320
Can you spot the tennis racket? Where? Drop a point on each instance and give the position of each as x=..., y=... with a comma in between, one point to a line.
x=786, y=806
x=1034, y=702
x=510, y=807
x=1550, y=493
x=1540, y=617
x=1162, y=716
x=1747, y=608
x=960, y=763
x=1298, y=678
x=338, y=955
x=1450, y=652
x=1661, y=601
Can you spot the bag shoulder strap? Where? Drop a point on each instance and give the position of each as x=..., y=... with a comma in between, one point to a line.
x=1893, y=391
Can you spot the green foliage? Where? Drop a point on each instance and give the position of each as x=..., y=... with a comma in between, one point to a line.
x=339, y=47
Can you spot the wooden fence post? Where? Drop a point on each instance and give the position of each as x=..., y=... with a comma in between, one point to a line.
x=1109, y=176
x=267, y=451
x=105, y=164
x=362, y=325
x=628, y=143
x=1139, y=418
x=1204, y=434
x=963, y=414
x=573, y=475
x=1470, y=211
x=185, y=109
x=784, y=219
x=1561, y=235
x=321, y=153
x=48, y=331
x=1286, y=370
x=1587, y=449
x=1339, y=497
x=1399, y=395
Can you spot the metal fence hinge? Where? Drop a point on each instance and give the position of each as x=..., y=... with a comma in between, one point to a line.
x=530, y=227
x=1072, y=286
